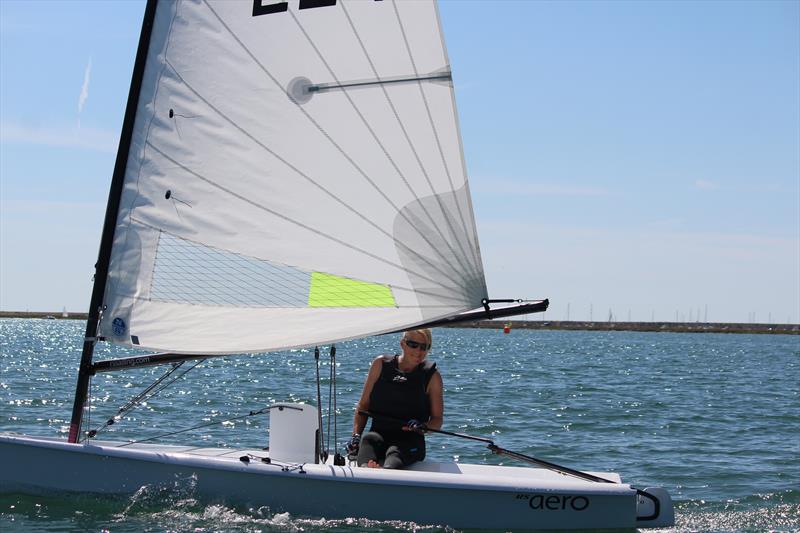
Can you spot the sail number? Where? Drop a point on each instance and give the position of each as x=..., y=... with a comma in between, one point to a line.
x=260, y=7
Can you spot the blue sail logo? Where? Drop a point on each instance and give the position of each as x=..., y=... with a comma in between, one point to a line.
x=118, y=327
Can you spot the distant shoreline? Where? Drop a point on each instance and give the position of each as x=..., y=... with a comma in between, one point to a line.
x=577, y=325
x=672, y=327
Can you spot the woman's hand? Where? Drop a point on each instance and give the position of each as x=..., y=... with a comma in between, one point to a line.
x=353, y=445
x=415, y=426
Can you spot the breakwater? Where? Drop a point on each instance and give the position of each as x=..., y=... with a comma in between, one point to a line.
x=44, y=314
x=675, y=327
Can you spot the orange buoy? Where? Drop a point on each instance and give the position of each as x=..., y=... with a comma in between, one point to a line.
x=507, y=328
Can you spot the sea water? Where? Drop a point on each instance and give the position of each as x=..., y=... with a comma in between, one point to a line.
x=713, y=418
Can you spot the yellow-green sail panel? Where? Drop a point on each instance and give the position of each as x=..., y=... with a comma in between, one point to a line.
x=328, y=290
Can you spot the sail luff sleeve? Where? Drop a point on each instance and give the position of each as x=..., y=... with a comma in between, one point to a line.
x=109, y=224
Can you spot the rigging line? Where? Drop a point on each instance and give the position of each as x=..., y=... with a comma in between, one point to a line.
x=320, y=129
x=321, y=454
x=465, y=269
x=139, y=397
x=135, y=400
x=330, y=401
x=88, y=412
x=430, y=119
x=310, y=229
x=470, y=268
x=251, y=413
x=150, y=392
x=333, y=379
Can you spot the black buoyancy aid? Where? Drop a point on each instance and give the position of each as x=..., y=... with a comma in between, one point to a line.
x=400, y=395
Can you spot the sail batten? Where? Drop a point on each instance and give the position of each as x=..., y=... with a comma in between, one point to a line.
x=257, y=214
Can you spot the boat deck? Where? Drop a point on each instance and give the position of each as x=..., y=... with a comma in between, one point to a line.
x=234, y=454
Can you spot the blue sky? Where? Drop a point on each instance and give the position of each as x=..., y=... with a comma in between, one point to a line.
x=638, y=158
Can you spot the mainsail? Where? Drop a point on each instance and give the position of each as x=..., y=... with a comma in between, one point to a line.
x=294, y=176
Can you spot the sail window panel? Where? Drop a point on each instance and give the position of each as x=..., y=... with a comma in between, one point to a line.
x=187, y=272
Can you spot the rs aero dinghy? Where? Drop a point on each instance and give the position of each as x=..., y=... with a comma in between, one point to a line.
x=298, y=165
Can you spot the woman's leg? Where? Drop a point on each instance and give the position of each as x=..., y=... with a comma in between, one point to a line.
x=402, y=454
x=372, y=447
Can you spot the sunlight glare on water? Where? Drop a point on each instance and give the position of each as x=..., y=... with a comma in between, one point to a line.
x=712, y=418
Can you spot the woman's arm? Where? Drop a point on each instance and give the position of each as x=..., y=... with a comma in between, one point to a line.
x=359, y=420
x=436, y=398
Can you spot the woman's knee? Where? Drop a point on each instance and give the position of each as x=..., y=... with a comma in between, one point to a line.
x=370, y=448
x=370, y=438
x=394, y=460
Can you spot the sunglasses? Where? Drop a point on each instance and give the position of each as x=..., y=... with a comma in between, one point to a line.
x=417, y=345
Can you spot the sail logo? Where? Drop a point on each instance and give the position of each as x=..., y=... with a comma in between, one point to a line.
x=555, y=502
x=260, y=7
x=118, y=327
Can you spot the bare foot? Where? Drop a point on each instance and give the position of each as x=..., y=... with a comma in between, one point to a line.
x=373, y=464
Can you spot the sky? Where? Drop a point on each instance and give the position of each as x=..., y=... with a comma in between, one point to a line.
x=632, y=160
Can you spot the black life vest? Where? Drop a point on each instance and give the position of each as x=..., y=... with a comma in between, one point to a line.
x=400, y=395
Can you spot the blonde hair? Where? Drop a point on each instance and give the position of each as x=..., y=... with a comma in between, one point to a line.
x=424, y=332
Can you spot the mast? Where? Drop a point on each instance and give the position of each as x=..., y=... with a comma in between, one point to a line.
x=109, y=225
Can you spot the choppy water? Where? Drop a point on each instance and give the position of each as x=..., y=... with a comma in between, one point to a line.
x=715, y=419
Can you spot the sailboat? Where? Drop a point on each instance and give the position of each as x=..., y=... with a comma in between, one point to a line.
x=290, y=174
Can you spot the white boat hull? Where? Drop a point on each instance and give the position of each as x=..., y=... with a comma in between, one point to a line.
x=454, y=494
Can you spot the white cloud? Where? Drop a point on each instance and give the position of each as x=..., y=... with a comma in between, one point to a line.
x=706, y=185
x=60, y=136
x=517, y=187
x=85, y=88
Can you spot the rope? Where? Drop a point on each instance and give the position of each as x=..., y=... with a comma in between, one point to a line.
x=251, y=413
x=320, y=439
x=333, y=379
x=150, y=392
x=331, y=399
x=88, y=409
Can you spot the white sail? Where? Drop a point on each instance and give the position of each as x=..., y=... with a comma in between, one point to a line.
x=295, y=177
